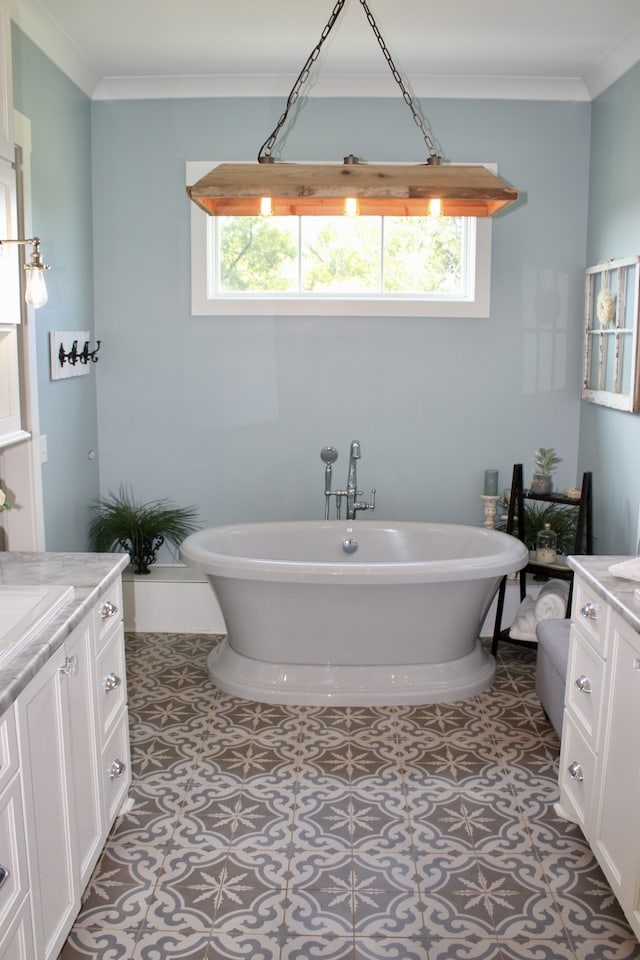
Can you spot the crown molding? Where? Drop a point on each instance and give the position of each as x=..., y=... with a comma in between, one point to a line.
x=339, y=85
x=32, y=18
x=34, y=21
x=617, y=61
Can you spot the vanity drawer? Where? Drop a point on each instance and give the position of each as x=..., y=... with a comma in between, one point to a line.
x=111, y=679
x=8, y=746
x=116, y=767
x=13, y=857
x=108, y=610
x=591, y=614
x=577, y=776
x=586, y=686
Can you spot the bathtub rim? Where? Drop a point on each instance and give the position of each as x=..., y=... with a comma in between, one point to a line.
x=512, y=557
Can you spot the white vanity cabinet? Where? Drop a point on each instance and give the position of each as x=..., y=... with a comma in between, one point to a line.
x=585, y=696
x=68, y=772
x=111, y=699
x=600, y=753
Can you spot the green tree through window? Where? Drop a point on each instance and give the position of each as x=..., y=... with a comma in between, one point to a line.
x=342, y=256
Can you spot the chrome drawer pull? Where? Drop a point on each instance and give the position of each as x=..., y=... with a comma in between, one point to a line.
x=108, y=610
x=4, y=876
x=590, y=611
x=117, y=769
x=583, y=684
x=576, y=772
x=111, y=682
x=69, y=667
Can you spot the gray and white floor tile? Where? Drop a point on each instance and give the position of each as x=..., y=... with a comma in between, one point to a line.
x=265, y=832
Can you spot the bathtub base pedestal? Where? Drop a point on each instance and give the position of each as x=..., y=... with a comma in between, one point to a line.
x=348, y=685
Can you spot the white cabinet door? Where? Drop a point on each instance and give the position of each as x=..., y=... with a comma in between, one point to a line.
x=87, y=806
x=617, y=837
x=46, y=769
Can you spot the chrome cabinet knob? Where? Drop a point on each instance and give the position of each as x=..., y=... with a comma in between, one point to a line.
x=4, y=876
x=590, y=611
x=108, y=610
x=111, y=682
x=70, y=667
x=583, y=684
x=117, y=769
x=576, y=772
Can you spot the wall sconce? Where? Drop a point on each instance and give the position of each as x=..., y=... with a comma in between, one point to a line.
x=36, y=289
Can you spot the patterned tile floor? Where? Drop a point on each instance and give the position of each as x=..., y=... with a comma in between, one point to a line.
x=326, y=833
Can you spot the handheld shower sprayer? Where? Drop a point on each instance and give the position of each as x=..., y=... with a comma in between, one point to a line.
x=328, y=455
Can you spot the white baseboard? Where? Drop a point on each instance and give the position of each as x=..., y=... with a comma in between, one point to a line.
x=170, y=599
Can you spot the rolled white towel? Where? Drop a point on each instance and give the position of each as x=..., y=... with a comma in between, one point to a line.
x=524, y=625
x=551, y=603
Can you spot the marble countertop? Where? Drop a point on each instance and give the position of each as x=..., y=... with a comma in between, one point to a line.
x=616, y=591
x=88, y=573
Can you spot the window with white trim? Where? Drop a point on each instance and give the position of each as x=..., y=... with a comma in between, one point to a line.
x=362, y=266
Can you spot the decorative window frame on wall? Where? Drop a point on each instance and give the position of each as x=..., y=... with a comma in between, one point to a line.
x=611, y=377
x=203, y=303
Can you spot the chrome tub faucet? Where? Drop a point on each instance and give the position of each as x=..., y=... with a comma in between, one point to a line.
x=329, y=455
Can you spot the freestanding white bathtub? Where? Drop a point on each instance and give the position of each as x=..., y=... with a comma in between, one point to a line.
x=353, y=612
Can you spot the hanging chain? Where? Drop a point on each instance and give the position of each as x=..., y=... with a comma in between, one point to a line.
x=265, y=154
x=265, y=151
x=406, y=96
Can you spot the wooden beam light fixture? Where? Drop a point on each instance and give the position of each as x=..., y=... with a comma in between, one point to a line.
x=326, y=189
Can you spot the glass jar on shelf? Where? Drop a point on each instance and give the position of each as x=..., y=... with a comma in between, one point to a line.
x=546, y=545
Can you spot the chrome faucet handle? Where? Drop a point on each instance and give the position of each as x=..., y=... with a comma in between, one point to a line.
x=361, y=505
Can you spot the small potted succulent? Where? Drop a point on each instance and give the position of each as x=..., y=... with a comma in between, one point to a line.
x=545, y=462
x=139, y=528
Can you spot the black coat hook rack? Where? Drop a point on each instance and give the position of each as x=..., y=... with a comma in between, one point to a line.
x=74, y=355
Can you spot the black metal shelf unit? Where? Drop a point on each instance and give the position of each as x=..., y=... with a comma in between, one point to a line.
x=583, y=542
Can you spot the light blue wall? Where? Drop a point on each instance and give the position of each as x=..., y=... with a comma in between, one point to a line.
x=230, y=414
x=610, y=439
x=60, y=118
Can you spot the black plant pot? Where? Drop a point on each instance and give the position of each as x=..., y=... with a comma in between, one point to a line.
x=142, y=551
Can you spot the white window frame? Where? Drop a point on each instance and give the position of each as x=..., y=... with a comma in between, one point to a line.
x=476, y=306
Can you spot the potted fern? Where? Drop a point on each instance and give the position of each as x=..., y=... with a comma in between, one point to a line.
x=545, y=462
x=119, y=521
x=563, y=522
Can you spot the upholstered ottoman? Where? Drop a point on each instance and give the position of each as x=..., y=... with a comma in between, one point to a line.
x=551, y=667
